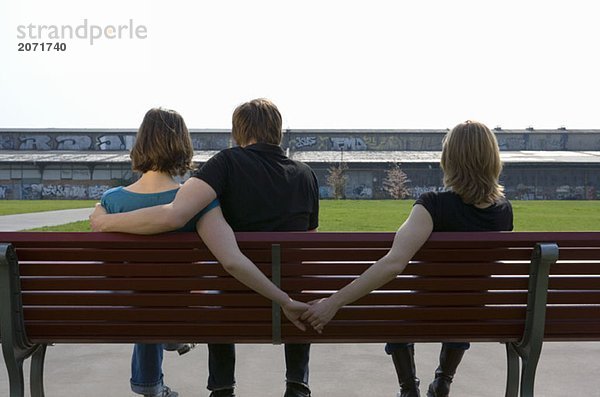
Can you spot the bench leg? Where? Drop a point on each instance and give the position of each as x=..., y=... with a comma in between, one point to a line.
x=512, y=371
x=530, y=362
x=37, y=371
x=14, y=359
x=527, y=358
x=14, y=367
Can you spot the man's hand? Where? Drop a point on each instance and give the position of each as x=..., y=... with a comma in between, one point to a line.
x=293, y=310
x=96, y=217
x=320, y=313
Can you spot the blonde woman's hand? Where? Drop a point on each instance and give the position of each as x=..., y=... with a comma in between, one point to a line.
x=320, y=313
x=293, y=310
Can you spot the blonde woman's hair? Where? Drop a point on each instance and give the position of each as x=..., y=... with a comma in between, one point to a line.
x=471, y=163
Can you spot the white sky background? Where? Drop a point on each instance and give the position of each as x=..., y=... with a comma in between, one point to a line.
x=326, y=64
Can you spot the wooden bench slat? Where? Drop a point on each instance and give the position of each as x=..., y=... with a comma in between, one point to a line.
x=126, y=269
x=415, y=283
x=128, y=255
x=131, y=284
x=425, y=254
x=304, y=269
x=299, y=239
x=208, y=314
x=145, y=299
x=231, y=329
x=579, y=253
x=191, y=314
x=574, y=297
x=431, y=298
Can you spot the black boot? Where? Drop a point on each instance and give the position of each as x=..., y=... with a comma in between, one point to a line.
x=404, y=361
x=449, y=360
x=296, y=390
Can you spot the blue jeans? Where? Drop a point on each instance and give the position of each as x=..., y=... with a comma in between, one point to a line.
x=146, y=368
x=391, y=347
x=221, y=365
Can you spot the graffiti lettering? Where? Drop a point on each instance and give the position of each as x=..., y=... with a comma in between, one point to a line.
x=348, y=144
x=35, y=142
x=80, y=142
x=362, y=191
x=416, y=191
x=31, y=191
x=95, y=192
x=305, y=141
x=7, y=143
x=36, y=191
x=115, y=142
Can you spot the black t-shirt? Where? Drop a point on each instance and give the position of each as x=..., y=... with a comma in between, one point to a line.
x=451, y=214
x=261, y=189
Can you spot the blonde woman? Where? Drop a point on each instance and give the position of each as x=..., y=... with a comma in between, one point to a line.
x=474, y=202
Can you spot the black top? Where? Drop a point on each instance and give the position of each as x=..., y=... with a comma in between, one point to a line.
x=451, y=214
x=261, y=189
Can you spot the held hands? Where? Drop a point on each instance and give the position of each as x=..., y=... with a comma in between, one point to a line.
x=96, y=217
x=316, y=313
x=293, y=310
x=320, y=313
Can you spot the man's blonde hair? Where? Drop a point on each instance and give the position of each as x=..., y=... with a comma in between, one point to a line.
x=471, y=163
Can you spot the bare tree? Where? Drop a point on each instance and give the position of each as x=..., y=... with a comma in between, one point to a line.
x=337, y=179
x=395, y=182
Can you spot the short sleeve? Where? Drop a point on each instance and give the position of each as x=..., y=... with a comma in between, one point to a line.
x=428, y=200
x=213, y=204
x=190, y=226
x=108, y=202
x=214, y=172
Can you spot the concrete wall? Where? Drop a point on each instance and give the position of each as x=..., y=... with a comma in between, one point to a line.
x=545, y=180
x=96, y=140
x=365, y=180
x=521, y=182
x=298, y=140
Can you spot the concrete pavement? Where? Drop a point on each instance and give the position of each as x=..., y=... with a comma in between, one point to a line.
x=565, y=370
x=337, y=370
x=11, y=223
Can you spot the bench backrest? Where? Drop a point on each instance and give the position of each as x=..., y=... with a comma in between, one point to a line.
x=573, y=311
x=105, y=287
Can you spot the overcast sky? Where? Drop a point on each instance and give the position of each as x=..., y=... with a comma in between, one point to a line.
x=326, y=64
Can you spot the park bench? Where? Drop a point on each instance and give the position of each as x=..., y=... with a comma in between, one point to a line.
x=119, y=288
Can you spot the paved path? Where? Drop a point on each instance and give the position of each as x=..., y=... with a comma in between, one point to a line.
x=10, y=223
x=565, y=370
x=361, y=370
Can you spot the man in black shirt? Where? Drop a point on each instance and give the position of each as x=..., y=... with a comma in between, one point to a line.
x=260, y=189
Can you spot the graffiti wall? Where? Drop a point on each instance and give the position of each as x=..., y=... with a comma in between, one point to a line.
x=315, y=140
x=368, y=141
x=432, y=140
x=38, y=191
x=108, y=141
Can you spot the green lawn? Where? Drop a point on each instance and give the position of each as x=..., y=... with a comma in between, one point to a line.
x=387, y=215
x=10, y=207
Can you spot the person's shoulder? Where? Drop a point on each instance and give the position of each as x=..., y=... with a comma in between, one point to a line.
x=231, y=151
x=503, y=202
x=433, y=195
x=112, y=192
x=443, y=199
